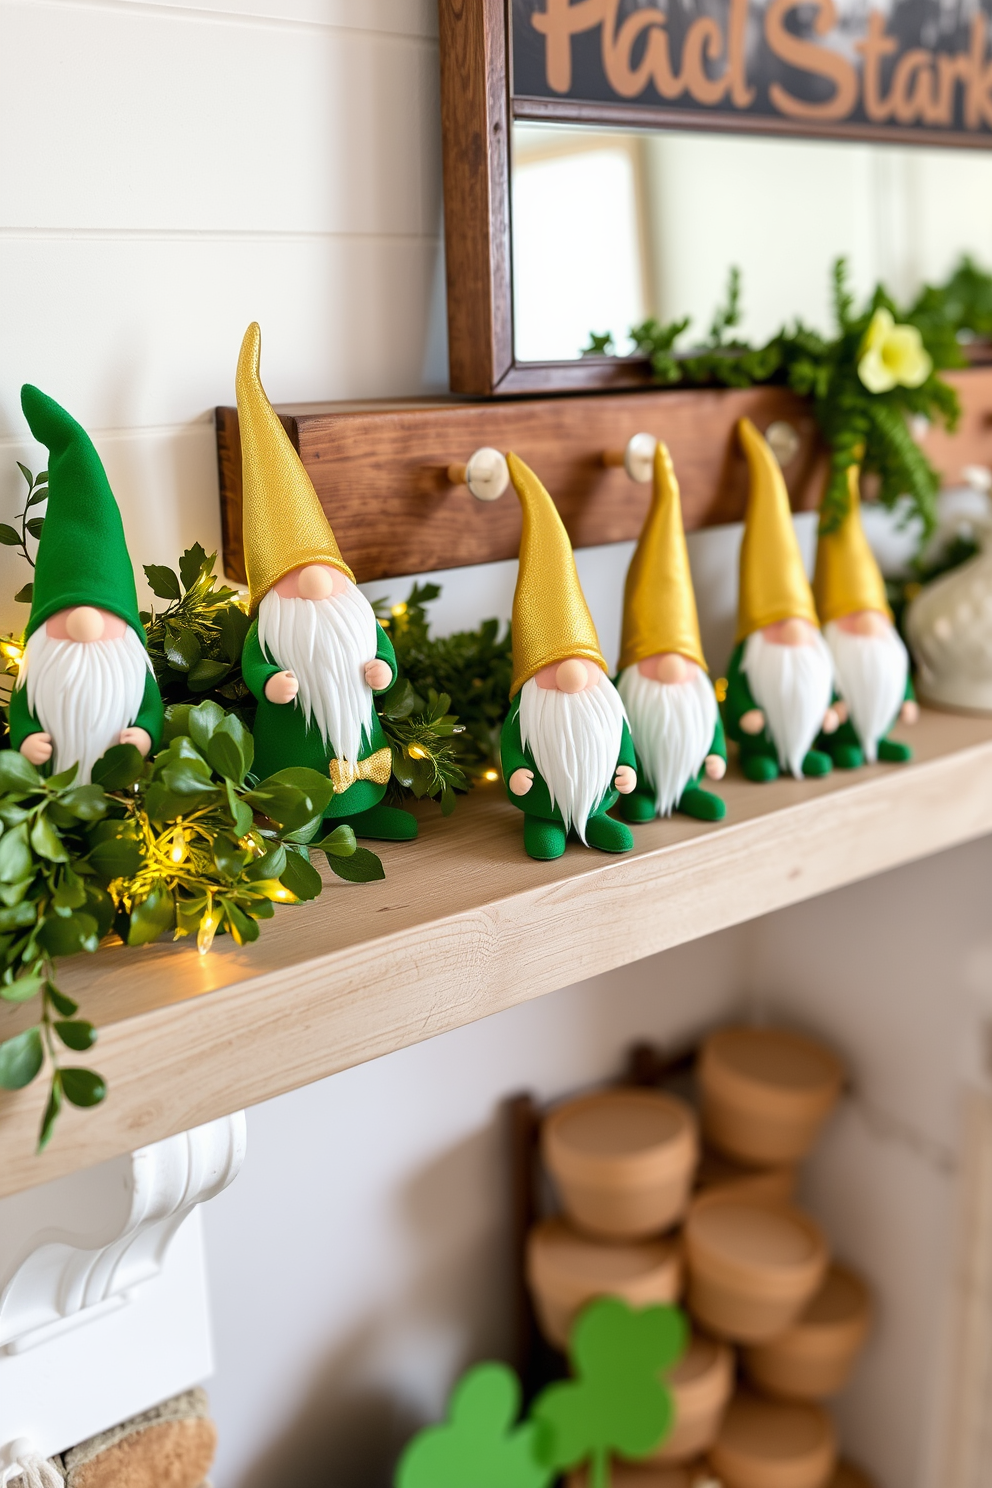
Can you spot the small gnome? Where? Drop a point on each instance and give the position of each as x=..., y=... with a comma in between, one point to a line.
x=871, y=664
x=315, y=654
x=566, y=749
x=663, y=681
x=85, y=682
x=780, y=680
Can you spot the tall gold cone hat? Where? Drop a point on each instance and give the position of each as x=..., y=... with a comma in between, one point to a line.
x=847, y=577
x=284, y=523
x=773, y=582
x=551, y=620
x=659, y=606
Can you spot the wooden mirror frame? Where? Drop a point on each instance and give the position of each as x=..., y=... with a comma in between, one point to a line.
x=475, y=126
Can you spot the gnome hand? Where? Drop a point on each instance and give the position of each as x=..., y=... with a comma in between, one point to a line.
x=37, y=748
x=716, y=766
x=282, y=688
x=831, y=721
x=909, y=712
x=139, y=737
x=625, y=779
x=378, y=675
x=842, y=710
x=753, y=721
x=521, y=781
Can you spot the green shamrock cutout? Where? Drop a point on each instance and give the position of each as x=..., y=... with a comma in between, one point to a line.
x=618, y=1402
x=478, y=1446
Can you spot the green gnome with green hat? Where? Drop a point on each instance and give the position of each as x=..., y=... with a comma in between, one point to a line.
x=85, y=682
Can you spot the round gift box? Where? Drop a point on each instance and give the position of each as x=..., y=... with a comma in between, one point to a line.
x=752, y=1266
x=640, y=1475
x=813, y=1359
x=623, y=1161
x=566, y=1269
x=772, y=1444
x=701, y=1384
x=716, y=1171
x=765, y=1093
x=849, y=1476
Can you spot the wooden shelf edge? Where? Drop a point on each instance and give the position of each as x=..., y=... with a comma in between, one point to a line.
x=229, y=1031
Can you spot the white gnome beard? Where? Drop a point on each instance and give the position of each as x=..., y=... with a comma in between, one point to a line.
x=672, y=724
x=793, y=686
x=575, y=739
x=871, y=678
x=84, y=693
x=326, y=644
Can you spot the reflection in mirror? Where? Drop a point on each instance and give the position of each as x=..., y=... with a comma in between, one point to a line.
x=611, y=227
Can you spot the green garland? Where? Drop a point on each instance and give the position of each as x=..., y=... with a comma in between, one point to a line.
x=858, y=425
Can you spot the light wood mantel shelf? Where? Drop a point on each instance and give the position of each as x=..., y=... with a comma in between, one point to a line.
x=463, y=926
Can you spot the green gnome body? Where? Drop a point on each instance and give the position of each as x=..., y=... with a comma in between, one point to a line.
x=85, y=682
x=315, y=655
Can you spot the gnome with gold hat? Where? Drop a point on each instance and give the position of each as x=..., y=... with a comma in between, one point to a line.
x=663, y=681
x=315, y=655
x=566, y=749
x=780, y=680
x=85, y=682
x=871, y=664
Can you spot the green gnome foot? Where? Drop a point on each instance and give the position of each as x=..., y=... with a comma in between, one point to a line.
x=702, y=804
x=846, y=756
x=759, y=767
x=892, y=752
x=608, y=835
x=543, y=840
x=817, y=763
x=638, y=807
x=381, y=823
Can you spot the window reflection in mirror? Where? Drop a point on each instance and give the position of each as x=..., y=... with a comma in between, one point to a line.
x=610, y=227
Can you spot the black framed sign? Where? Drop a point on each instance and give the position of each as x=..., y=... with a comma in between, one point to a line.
x=917, y=71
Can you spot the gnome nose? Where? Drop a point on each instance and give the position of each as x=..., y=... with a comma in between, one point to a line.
x=84, y=623
x=794, y=633
x=571, y=676
x=671, y=668
x=315, y=582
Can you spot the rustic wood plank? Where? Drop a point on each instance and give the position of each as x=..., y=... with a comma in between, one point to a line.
x=381, y=471
x=465, y=925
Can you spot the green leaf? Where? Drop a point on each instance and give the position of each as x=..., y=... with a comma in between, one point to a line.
x=617, y=1404
x=39, y=494
x=229, y=857
x=83, y=1087
x=21, y=1057
x=52, y=1110
x=36, y=526
x=300, y=877
x=118, y=769
x=18, y=916
x=242, y=926
x=176, y=722
x=17, y=774
x=241, y=815
x=100, y=905
x=162, y=581
x=231, y=749
x=70, y=891
x=9, y=536
x=201, y=722
x=46, y=841
x=206, y=674
x=188, y=777
x=340, y=843
x=63, y=779
x=24, y=988
x=233, y=626
x=269, y=865
x=24, y=595
x=150, y=917
x=87, y=802
x=192, y=564
x=26, y=474
x=361, y=867
x=78, y=1035
x=115, y=857
x=16, y=862
x=182, y=649
x=479, y=1444
x=67, y=935
x=317, y=788
x=283, y=804
x=60, y=1002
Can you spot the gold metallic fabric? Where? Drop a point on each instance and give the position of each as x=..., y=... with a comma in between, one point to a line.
x=377, y=768
x=773, y=583
x=659, y=605
x=551, y=620
x=847, y=578
x=284, y=523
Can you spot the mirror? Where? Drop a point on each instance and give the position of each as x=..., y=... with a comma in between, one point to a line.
x=610, y=226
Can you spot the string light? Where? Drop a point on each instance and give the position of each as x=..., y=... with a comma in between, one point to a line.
x=416, y=752
x=178, y=850
x=209, y=926
x=398, y=610
x=720, y=688
x=490, y=775
x=13, y=650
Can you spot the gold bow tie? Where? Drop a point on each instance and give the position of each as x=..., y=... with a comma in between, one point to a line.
x=377, y=768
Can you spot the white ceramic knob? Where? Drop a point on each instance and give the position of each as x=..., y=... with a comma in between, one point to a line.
x=638, y=457
x=487, y=474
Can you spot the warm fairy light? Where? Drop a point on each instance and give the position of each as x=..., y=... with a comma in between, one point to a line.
x=13, y=650
x=490, y=775
x=720, y=688
x=415, y=752
x=177, y=851
x=209, y=925
x=398, y=610
x=281, y=895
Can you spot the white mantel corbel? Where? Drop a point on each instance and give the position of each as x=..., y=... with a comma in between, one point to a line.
x=103, y=1303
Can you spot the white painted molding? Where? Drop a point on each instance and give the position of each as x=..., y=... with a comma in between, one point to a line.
x=87, y=1241
x=103, y=1303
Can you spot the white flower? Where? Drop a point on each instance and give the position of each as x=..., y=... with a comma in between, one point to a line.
x=892, y=355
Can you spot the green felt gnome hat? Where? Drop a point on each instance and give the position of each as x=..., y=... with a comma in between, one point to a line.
x=82, y=556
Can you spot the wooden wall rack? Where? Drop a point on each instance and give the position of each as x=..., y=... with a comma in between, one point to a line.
x=381, y=469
